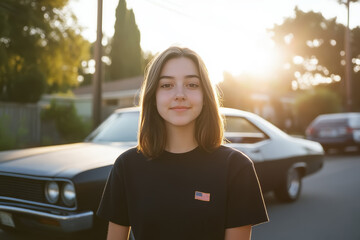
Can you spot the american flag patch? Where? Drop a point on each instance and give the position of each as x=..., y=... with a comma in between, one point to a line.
x=202, y=196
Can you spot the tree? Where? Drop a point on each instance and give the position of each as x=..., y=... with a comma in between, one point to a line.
x=313, y=51
x=348, y=64
x=126, y=55
x=356, y=73
x=312, y=103
x=40, y=49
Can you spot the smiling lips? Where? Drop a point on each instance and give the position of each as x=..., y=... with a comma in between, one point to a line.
x=180, y=108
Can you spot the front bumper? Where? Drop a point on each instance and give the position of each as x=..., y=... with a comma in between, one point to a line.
x=34, y=219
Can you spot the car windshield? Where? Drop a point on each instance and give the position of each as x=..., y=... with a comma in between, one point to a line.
x=119, y=127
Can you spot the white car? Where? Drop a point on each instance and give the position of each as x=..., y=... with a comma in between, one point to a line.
x=58, y=188
x=281, y=161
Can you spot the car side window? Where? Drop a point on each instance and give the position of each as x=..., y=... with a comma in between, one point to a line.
x=241, y=130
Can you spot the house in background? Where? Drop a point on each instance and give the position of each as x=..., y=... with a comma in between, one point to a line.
x=115, y=94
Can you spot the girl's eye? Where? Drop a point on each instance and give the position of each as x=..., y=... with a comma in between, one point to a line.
x=193, y=85
x=166, y=85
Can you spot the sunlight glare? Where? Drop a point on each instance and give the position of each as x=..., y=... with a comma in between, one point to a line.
x=247, y=57
x=298, y=60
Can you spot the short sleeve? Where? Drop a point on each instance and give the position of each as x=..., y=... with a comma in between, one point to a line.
x=245, y=203
x=113, y=205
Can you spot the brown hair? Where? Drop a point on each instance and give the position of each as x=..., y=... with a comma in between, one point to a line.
x=209, y=128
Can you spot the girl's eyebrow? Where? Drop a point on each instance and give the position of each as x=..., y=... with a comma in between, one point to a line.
x=192, y=76
x=187, y=76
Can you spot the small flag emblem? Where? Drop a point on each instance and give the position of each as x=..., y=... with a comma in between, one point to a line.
x=202, y=196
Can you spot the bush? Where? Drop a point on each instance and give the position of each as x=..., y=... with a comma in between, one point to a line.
x=27, y=87
x=12, y=139
x=69, y=125
x=7, y=140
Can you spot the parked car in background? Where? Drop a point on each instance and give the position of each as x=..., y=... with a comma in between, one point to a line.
x=58, y=188
x=337, y=130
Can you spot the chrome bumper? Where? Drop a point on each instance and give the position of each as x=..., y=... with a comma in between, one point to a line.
x=71, y=222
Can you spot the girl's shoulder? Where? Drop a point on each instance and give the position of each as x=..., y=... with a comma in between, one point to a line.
x=132, y=154
x=229, y=151
x=233, y=156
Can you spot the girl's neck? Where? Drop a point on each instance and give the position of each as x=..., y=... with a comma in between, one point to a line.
x=180, y=139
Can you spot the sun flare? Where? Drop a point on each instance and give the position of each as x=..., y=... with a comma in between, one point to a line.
x=256, y=60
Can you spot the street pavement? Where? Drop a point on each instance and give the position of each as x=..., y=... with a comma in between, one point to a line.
x=328, y=209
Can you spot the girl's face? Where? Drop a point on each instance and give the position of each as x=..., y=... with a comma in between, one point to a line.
x=179, y=97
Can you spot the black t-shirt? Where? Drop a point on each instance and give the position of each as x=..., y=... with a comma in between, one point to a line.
x=192, y=195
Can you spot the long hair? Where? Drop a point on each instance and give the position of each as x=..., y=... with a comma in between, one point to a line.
x=209, y=129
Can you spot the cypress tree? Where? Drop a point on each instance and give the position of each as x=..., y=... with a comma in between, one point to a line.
x=126, y=54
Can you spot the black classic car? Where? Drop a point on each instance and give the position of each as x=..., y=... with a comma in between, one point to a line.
x=58, y=188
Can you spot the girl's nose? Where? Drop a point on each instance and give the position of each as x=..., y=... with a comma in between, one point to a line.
x=180, y=94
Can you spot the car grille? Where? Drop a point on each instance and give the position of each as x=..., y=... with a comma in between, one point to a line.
x=22, y=188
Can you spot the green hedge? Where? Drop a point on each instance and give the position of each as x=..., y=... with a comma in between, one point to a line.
x=69, y=125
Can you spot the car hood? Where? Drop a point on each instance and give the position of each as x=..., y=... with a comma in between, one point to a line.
x=62, y=160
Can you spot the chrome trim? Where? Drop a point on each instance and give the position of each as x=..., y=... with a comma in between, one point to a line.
x=33, y=177
x=68, y=223
x=37, y=203
x=42, y=179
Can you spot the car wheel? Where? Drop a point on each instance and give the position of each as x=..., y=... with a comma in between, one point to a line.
x=290, y=188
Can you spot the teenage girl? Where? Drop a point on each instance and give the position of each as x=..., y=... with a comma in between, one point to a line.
x=180, y=182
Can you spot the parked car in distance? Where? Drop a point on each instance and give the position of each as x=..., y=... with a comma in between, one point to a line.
x=58, y=188
x=336, y=130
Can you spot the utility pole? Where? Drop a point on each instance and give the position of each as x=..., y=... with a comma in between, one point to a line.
x=97, y=99
x=348, y=65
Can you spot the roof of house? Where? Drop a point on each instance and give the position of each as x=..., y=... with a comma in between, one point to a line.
x=120, y=85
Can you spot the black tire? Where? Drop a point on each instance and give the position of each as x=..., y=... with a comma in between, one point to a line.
x=290, y=188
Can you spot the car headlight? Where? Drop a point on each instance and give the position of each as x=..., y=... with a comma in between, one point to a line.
x=52, y=192
x=68, y=194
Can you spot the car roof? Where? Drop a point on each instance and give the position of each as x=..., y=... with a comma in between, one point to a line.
x=338, y=115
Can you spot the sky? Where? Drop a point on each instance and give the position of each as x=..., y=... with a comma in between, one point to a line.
x=227, y=34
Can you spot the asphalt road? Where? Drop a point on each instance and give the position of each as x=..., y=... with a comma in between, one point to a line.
x=329, y=207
